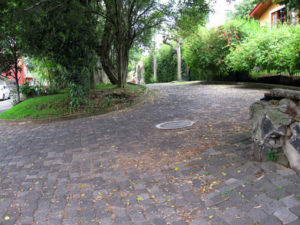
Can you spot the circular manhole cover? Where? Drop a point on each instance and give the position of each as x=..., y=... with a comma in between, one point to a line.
x=175, y=124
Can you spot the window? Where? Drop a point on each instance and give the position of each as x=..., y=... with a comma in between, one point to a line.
x=279, y=16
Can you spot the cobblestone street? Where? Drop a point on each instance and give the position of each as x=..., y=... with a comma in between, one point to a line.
x=118, y=168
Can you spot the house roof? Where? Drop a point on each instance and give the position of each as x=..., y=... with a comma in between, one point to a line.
x=260, y=9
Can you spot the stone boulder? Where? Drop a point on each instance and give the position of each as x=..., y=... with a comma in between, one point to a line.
x=276, y=127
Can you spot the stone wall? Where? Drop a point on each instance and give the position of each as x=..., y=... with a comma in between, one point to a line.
x=276, y=127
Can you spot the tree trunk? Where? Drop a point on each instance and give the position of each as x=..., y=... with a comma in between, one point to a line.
x=17, y=80
x=123, y=58
x=178, y=49
x=104, y=53
x=92, y=79
x=155, y=65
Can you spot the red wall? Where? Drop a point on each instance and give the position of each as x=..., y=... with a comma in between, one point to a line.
x=21, y=75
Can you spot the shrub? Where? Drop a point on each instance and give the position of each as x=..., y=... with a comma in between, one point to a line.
x=166, y=64
x=28, y=90
x=205, y=51
x=148, y=66
x=268, y=49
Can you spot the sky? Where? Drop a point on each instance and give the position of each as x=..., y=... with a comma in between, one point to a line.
x=219, y=16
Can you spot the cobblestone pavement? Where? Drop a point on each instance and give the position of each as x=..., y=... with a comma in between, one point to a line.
x=119, y=169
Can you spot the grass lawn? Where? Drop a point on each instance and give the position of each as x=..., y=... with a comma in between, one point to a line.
x=105, y=96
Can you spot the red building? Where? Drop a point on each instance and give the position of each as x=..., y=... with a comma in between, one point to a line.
x=22, y=74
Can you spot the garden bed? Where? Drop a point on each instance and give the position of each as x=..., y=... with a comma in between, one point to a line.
x=103, y=99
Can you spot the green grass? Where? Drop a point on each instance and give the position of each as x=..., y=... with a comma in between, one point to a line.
x=39, y=107
x=51, y=106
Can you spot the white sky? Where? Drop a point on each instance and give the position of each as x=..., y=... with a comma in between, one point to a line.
x=219, y=16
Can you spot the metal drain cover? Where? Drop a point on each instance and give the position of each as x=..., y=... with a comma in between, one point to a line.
x=175, y=124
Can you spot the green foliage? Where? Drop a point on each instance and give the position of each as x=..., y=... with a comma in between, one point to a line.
x=51, y=106
x=189, y=15
x=134, y=56
x=243, y=9
x=268, y=49
x=28, y=90
x=206, y=50
x=271, y=155
x=166, y=64
x=60, y=38
x=78, y=97
x=148, y=66
x=39, y=107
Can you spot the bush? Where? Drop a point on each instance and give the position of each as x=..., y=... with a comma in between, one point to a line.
x=166, y=64
x=268, y=49
x=148, y=66
x=28, y=90
x=205, y=51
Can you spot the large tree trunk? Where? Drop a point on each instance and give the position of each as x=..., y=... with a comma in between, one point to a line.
x=104, y=53
x=116, y=72
x=178, y=50
x=123, y=58
x=92, y=79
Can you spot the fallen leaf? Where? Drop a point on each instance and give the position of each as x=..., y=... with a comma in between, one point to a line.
x=6, y=218
x=140, y=198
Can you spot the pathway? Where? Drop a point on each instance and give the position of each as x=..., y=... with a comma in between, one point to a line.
x=119, y=169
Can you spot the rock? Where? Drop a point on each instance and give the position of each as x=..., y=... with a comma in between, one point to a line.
x=278, y=118
x=287, y=102
x=283, y=93
x=295, y=138
x=292, y=155
x=275, y=128
x=282, y=159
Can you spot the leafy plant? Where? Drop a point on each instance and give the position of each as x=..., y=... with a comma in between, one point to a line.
x=205, y=50
x=271, y=155
x=276, y=49
x=28, y=90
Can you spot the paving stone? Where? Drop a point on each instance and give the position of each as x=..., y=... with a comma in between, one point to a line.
x=296, y=210
x=257, y=214
x=158, y=221
x=271, y=220
x=198, y=222
x=59, y=168
x=290, y=201
x=286, y=172
x=297, y=222
x=285, y=215
x=271, y=207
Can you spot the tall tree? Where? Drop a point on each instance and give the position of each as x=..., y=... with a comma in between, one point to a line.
x=242, y=9
x=126, y=22
x=186, y=17
x=71, y=32
x=10, y=44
